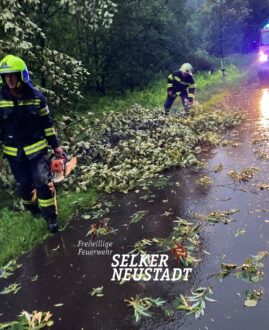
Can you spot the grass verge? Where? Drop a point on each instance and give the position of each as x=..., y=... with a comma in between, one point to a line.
x=20, y=231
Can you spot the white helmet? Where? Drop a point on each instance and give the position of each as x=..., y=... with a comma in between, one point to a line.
x=186, y=67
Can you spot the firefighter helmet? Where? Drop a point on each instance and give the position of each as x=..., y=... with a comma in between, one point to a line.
x=186, y=67
x=11, y=63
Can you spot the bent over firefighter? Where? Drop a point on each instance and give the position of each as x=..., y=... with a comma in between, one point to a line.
x=180, y=83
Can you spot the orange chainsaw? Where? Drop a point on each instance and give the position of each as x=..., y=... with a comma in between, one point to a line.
x=61, y=167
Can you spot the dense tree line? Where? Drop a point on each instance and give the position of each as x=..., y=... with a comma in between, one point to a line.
x=106, y=45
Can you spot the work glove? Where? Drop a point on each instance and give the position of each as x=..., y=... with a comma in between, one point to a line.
x=59, y=153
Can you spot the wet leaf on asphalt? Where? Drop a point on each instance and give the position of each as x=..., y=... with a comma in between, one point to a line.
x=217, y=216
x=137, y=217
x=245, y=175
x=226, y=269
x=98, y=292
x=250, y=303
x=141, y=306
x=252, y=297
x=218, y=168
x=261, y=255
x=12, y=288
x=101, y=229
x=240, y=232
x=195, y=304
x=252, y=269
x=166, y=214
x=140, y=246
x=205, y=181
x=34, y=278
x=9, y=268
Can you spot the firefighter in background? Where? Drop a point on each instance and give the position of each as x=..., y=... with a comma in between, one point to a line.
x=26, y=132
x=180, y=83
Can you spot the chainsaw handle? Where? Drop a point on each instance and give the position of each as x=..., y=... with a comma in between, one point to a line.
x=58, y=156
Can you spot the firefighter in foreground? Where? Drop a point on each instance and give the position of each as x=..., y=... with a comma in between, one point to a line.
x=26, y=133
x=180, y=83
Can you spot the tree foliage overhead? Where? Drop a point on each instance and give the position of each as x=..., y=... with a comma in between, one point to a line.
x=23, y=32
x=221, y=24
x=145, y=38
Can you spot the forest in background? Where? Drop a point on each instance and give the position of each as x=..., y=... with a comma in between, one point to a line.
x=80, y=47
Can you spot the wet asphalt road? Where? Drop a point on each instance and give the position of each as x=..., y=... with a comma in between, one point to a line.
x=66, y=278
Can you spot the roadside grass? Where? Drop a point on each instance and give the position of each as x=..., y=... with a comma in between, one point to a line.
x=20, y=232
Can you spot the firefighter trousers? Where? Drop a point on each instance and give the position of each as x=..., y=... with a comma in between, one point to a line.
x=170, y=100
x=34, y=185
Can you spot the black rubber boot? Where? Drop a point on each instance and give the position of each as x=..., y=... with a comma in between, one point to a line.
x=52, y=224
x=166, y=112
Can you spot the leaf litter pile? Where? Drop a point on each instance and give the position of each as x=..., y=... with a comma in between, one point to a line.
x=124, y=150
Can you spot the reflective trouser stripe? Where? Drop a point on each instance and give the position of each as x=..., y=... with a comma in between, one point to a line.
x=35, y=147
x=46, y=202
x=49, y=131
x=10, y=151
x=191, y=95
x=33, y=199
x=169, y=85
x=177, y=79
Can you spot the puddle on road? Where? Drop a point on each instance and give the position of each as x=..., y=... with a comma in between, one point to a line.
x=66, y=278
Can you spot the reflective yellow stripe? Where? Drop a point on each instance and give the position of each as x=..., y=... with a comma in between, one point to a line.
x=35, y=147
x=49, y=131
x=33, y=199
x=192, y=86
x=177, y=79
x=170, y=77
x=185, y=83
x=43, y=111
x=10, y=151
x=30, y=102
x=46, y=202
x=191, y=95
x=10, y=148
x=4, y=104
x=169, y=85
